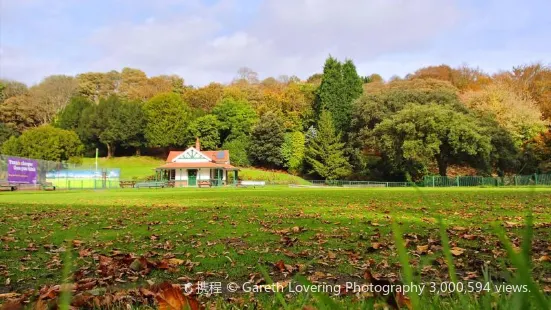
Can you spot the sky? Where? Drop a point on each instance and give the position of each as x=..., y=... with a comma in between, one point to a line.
x=209, y=40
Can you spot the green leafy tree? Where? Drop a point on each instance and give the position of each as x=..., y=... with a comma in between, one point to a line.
x=167, y=118
x=11, y=146
x=45, y=142
x=113, y=123
x=6, y=132
x=206, y=128
x=237, y=118
x=132, y=125
x=266, y=140
x=238, y=151
x=292, y=151
x=421, y=134
x=69, y=117
x=325, y=151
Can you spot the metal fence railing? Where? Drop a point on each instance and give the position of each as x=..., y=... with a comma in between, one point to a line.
x=344, y=183
x=513, y=180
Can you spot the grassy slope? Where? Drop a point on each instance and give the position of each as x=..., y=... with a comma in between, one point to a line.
x=227, y=231
x=142, y=167
x=131, y=167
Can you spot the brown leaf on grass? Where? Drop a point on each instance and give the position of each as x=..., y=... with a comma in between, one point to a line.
x=280, y=265
x=422, y=249
x=171, y=298
x=176, y=261
x=403, y=301
x=544, y=258
x=84, y=252
x=468, y=237
x=77, y=243
x=374, y=247
x=459, y=228
x=457, y=251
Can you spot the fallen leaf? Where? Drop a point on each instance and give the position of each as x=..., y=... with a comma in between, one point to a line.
x=171, y=298
x=422, y=249
x=544, y=258
x=456, y=251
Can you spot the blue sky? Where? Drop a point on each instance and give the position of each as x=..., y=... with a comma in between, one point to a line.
x=209, y=40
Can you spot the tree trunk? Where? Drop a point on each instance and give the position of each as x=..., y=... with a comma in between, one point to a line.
x=442, y=164
x=138, y=151
x=110, y=150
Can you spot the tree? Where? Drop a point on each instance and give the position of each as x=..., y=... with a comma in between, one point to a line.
x=204, y=98
x=132, y=124
x=340, y=86
x=10, y=89
x=51, y=95
x=520, y=116
x=238, y=151
x=45, y=142
x=206, y=129
x=420, y=134
x=113, y=122
x=6, y=132
x=266, y=140
x=69, y=117
x=292, y=151
x=18, y=113
x=134, y=84
x=236, y=117
x=325, y=151
x=331, y=88
x=167, y=118
x=246, y=74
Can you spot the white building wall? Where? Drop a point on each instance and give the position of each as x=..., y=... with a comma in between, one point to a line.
x=181, y=176
x=203, y=174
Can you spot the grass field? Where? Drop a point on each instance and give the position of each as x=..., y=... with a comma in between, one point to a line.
x=131, y=167
x=125, y=238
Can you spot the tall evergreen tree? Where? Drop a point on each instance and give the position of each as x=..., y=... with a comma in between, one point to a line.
x=340, y=86
x=330, y=91
x=325, y=151
x=352, y=90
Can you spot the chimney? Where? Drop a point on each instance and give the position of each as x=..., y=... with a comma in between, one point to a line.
x=197, y=144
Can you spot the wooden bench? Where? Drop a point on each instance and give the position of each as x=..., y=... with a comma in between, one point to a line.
x=5, y=185
x=154, y=184
x=204, y=184
x=124, y=184
x=47, y=186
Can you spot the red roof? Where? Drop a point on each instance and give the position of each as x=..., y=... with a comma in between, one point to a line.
x=197, y=165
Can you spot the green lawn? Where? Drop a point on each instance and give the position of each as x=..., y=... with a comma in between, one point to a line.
x=131, y=167
x=143, y=167
x=223, y=234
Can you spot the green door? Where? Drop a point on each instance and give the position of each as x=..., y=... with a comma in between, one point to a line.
x=192, y=177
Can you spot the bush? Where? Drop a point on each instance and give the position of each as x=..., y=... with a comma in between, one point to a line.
x=45, y=142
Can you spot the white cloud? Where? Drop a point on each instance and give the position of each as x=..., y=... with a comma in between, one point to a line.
x=204, y=43
x=286, y=37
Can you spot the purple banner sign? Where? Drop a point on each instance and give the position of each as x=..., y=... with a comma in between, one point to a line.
x=23, y=171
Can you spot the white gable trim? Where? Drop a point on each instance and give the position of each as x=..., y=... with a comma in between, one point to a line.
x=191, y=155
